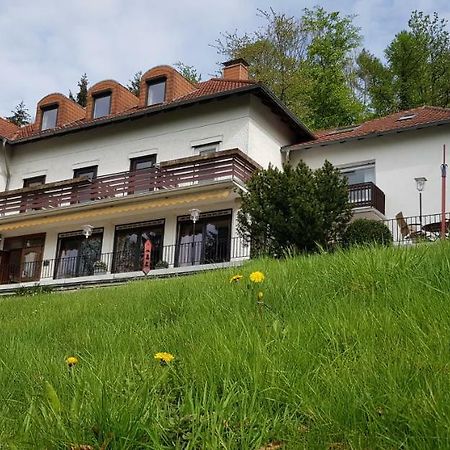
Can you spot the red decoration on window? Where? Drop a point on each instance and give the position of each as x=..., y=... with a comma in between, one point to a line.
x=146, y=266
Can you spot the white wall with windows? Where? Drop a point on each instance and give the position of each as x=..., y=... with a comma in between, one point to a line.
x=398, y=159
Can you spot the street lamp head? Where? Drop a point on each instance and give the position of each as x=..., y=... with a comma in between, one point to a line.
x=195, y=214
x=420, y=183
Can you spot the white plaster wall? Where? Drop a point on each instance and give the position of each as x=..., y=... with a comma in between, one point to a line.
x=399, y=158
x=267, y=134
x=170, y=136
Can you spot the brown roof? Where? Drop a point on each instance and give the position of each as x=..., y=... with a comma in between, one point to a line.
x=214, y=87
x=421, y=117
x=7, y=128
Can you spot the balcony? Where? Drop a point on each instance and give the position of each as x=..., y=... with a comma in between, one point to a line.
x=366, y=195
x=227, y=165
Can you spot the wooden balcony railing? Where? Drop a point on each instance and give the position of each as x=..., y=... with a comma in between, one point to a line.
x=220, y=166
x=366, y=194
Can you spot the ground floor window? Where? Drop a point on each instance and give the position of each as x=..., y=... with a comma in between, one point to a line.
x=77, y=255
x=207, y=241
x=22, y=258
x=129, y=242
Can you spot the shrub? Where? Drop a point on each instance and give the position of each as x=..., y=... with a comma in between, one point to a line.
x=366, y=232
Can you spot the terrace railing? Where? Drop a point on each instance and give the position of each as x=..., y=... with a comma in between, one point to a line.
x=220, y=166
x=366, y=194
x=417, y=229
x=163, y=257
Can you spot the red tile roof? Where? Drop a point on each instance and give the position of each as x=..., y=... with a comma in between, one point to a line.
x=204, y=89
x=7, y=128
x=401, y=121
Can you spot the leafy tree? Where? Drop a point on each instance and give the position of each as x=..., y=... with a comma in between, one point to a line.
x=188, y=72
x=20, y=115
x=306, y=61
x=417, y=69
x=81, y=97
x=294, y=209
x=134, y=85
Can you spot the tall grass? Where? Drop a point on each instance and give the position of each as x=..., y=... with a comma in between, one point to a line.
x=350, y=351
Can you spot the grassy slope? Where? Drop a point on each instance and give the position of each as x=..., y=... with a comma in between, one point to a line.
x=354, y=354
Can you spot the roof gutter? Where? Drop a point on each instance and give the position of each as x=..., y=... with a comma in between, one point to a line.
x=5, y=157
x=312, y=144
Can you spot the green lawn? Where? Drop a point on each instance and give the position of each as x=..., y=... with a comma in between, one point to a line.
x=351, y=352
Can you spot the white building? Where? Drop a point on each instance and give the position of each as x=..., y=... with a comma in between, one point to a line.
x=130, y=169
x=131, y=172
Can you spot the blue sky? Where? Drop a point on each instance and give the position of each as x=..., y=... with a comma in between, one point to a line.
x=46, y=45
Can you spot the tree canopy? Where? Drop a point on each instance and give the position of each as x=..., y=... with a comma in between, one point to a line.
x=20, y=115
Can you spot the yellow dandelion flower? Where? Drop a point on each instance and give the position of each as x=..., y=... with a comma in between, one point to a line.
x=257, y=277
x=236, y=278
x=71, y=361
x=260, y=295
x=164, y=357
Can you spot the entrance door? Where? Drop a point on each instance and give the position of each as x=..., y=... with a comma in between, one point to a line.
x=31, y=263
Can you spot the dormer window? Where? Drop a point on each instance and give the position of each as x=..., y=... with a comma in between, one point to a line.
x=49, y=116
x=102, y=105
x=156, y=92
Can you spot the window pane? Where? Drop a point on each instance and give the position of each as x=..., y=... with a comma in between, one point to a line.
x=102, y=106
x=360, y=175
x=49, y=118
x=144, y=162
x=34, y=182
x=90, y=172
x=156, y=93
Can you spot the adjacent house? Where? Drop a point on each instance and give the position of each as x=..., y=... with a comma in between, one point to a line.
x=132, y=183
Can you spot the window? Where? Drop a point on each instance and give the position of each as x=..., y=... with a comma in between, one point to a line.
x=156, y=92
x=90, y=172
x=143, y=162
x=34, y=181
x=49, y=116
x=206, y=242
x=76, y=256
x=360, y=174
x=205, y=149
x=129, y=242
x=102, y=105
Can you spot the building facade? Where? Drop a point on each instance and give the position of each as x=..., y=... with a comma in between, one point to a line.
x=147, y=183
x=114, y=188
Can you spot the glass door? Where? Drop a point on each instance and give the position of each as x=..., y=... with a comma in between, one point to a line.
x=77, y=255
x=205, y=243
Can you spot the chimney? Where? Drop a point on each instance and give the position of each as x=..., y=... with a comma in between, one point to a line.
x=236, y=69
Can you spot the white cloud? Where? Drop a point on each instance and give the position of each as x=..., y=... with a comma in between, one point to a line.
x=47, y=45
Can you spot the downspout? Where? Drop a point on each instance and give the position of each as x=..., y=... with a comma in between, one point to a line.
x=5, y=156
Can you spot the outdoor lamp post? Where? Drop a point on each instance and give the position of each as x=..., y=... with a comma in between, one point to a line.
x=195, y=214
x=420, y=185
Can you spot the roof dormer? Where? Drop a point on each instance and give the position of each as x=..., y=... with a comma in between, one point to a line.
x=108, y=98
x=56, y=110
x=163, y=84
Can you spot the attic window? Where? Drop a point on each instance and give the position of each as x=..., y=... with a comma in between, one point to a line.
x=102, y=105
x=156, y=92
x=49, y=116
x=406, y=117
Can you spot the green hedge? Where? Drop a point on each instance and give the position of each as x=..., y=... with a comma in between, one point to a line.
x=366, y=232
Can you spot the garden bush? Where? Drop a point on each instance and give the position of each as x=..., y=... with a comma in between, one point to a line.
x=366, y=232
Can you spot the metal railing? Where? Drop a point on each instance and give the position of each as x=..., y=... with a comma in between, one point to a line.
x=414, y=229
x=220, y=166
x=366, y=194
x=209, y=251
